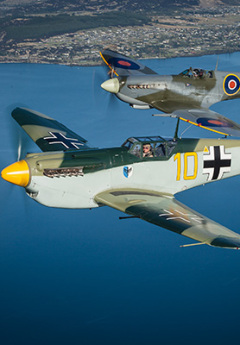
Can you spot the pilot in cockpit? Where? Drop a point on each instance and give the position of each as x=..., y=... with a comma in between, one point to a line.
x=147, y=150
x=198, y=73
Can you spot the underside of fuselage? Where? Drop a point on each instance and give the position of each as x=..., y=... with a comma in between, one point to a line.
x=133, y=102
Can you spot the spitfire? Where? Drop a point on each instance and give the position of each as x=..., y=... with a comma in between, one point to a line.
x=71, y=174
x=187, y=95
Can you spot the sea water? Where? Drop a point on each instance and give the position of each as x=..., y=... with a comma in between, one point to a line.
x=84, y=277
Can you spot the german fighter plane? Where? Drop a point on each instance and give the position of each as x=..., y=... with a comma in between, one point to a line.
x=187, y=95
x=139, y=178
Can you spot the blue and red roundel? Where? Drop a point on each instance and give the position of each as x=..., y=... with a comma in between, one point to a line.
x=231, y=84
x=211, y=122
x=123, y=63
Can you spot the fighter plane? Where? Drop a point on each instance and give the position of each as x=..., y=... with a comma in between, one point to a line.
x=139, y=178
x=187, y=95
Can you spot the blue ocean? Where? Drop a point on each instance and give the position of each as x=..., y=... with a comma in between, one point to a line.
x=84, y=277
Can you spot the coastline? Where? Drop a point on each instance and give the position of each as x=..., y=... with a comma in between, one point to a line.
x=93, y=63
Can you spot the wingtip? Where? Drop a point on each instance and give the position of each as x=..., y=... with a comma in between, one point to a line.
x=226, y=242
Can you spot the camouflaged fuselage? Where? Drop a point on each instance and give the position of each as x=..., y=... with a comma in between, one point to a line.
x=170, y=93
x=72, y=179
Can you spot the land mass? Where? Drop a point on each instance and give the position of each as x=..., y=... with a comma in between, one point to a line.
x=73, y=32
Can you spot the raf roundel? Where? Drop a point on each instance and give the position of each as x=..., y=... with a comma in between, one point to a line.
x=123, y=63
x=231, y=84
x=211, y=122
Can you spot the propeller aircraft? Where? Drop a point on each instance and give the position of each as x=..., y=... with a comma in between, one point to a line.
x=139, y=178
x=187, y=95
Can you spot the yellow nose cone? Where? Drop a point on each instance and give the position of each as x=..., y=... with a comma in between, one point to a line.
x=17, y=173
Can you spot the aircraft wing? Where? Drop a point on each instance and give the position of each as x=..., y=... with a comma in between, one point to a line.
x=210, y=120
x=47, y=133
x=122, y=65
x=165, y=211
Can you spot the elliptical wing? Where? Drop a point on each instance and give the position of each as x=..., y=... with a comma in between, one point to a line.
x=122, y=65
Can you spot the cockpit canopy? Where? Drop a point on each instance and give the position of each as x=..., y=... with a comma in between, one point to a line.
x=150, y=147
x=196, y=73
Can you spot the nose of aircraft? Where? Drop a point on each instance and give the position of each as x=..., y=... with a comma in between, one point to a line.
x=17, y=173
x=111, y=85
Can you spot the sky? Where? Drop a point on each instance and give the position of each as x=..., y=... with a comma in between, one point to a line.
x=86, y=277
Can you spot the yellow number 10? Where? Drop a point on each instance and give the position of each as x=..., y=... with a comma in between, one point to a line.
x=186, y=156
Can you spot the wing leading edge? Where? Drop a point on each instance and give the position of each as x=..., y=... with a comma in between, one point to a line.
x=47, y=133
x=208, y=119
x=165, y=211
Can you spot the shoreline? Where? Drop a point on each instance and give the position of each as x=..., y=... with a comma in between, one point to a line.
x=100, y=63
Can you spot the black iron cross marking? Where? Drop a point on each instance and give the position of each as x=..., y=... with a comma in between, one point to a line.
x=216, y=162
x=59, y=138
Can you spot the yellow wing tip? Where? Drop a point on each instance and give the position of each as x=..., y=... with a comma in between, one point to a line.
x=109, y=66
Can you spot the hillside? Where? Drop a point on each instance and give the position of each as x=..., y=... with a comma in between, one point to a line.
x=43, y=6
x=72, y=32
x=16, y=7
